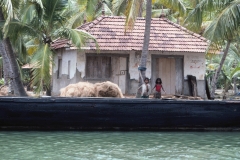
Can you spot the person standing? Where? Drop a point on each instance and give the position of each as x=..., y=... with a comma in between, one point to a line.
x=145, y=88
x=158, y=87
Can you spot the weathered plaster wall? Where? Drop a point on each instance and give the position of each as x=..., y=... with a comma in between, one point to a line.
x=68, y=70
x=194, y=64
x=134, y=60
x=81, y=63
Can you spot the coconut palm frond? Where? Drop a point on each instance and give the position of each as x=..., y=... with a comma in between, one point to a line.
x=90, y=9
x=80, y=37
x=31, y=46
x=236, y=72
x=53, y=10
x=157, y=12
x=226, y=25
x=108, y=3
x=205, y=10
x=82, y=5
x=27, y=12
x=31, y=49
x=175, y=5
x=212, y=66
x=234, y=52
x=30, y=10
x=42, y=61
x=132, y=11
x=107, y=10
x=39, y=2
x=7, y=6
x=118, y=6
x=18, y=28
x=20, y=48
x=195, y=17
x=75, y=20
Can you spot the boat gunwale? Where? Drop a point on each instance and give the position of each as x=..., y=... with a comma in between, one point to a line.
x=108, y=100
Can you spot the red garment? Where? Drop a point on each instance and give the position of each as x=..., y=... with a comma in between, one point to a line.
x=158, y=87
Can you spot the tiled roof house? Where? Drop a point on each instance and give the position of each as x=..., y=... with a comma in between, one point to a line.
x=174, y=53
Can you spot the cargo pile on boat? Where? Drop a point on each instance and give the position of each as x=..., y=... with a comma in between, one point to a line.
x=4, y=90
x=107, y=89
x=81, y=89
x=86, y=89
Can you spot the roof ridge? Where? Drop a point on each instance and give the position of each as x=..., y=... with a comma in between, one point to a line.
x=90, y=25
x=185, y=29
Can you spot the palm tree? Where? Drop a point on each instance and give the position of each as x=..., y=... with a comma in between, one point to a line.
x=223, y=28
x=9, y=59
x=133, y=8
x=143, y=61
x=5, y=62
x=39, y=24
x=230, y=69
x=87, y=10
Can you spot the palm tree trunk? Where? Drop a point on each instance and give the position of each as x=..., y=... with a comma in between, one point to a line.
x=6, y=64
x=216, y=76
x=18, y=86
x=17, y=83
x=143, y=60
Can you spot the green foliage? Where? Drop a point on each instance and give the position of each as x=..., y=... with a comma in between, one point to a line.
x=221, y=18
x=132, y=11
x=2, y=81
x=42, y=61
x=36, y=24
x=226, y=24
x=175, y=5
x=230, y=69
x=33, y=24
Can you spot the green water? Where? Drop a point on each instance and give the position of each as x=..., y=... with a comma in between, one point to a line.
x=119, y=145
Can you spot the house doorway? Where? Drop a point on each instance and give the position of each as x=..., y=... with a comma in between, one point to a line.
x=120, y=72
x=170, y=70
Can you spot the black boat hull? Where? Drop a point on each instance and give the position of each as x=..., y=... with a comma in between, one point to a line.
x=117, y=114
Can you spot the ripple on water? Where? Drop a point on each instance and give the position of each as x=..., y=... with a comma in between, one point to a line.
x=119, y=145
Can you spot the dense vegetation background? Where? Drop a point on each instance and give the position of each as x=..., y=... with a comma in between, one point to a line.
x=29, y=26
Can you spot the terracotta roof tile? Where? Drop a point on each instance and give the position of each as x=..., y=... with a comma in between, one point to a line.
x=165, y=36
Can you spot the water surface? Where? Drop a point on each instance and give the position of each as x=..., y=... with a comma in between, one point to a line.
x=119, y=145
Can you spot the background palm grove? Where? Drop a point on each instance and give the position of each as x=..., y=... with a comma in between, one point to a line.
x=28, y=27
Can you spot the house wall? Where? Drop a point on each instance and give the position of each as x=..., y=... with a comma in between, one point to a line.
x=69, y=73
x=193, y=64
